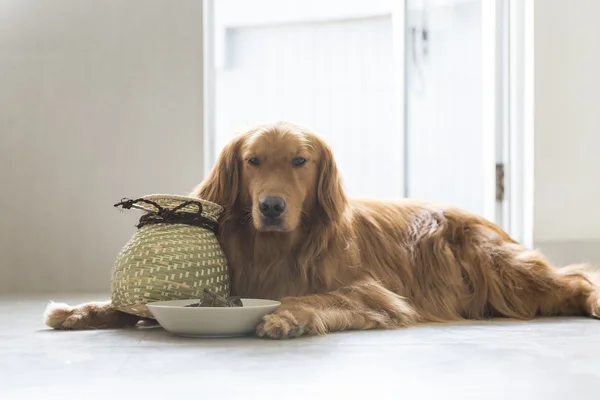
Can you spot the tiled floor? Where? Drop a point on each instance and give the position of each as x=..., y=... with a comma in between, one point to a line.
x=542, y=359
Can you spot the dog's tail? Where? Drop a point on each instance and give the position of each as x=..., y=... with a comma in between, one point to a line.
x=95, y=315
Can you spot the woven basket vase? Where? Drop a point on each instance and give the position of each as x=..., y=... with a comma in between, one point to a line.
x=169, y=261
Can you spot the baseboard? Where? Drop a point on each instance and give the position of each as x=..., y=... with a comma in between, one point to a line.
x=570, y=252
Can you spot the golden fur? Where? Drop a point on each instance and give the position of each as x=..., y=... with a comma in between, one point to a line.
x=339, y=264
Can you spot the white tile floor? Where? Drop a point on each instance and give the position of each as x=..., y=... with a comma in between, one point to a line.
x=542, y=359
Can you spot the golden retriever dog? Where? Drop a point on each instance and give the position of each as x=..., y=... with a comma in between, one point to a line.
x=290, y=233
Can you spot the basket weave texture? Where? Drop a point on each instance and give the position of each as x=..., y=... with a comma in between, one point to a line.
x=169, y=261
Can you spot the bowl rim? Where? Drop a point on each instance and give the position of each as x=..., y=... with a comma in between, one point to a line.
x=167, y=306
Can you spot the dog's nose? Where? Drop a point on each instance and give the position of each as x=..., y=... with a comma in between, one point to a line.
x=271, y=206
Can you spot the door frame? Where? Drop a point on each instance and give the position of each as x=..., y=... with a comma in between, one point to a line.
x=512, y=99
x=520, y=131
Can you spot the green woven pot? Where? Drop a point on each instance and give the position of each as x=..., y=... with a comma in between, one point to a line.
x=170, y=257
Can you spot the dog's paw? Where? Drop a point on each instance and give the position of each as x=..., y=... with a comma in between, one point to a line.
x=62, y=316
x=96, y=315
x=286, y=324
x=594, y=307
x=280, y=325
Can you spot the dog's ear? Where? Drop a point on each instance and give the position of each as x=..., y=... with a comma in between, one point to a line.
x=331, y=200
x=222, y=185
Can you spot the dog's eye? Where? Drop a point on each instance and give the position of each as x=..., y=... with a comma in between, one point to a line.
x=253, y=161
x=298, y=161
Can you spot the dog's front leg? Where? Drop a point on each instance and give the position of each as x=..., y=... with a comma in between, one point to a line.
x=364, y=305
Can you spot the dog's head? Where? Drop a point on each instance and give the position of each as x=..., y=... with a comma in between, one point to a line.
x=279, y=174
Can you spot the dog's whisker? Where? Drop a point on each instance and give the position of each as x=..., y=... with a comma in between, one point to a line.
x=248, y=217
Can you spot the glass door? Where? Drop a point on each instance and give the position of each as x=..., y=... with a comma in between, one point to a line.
x=453, y=109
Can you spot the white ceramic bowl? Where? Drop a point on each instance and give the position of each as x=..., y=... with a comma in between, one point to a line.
x=211, y=321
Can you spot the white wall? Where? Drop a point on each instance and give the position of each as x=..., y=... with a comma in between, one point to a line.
x=567, y=123
x=98, y=100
